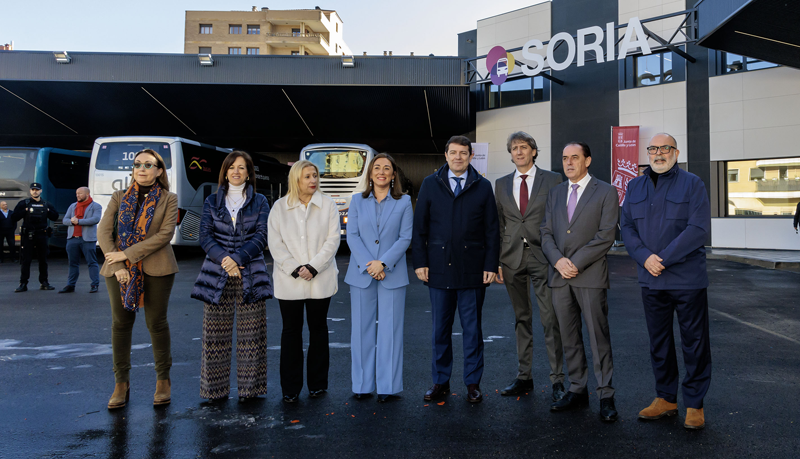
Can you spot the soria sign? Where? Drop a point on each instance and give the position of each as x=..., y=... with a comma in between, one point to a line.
x=628, y=43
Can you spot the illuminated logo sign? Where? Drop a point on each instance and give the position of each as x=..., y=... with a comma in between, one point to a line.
x=499, y=63
x=534, y=63
x=198, y=163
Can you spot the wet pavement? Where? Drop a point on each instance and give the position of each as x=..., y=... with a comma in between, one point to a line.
x=56, y=377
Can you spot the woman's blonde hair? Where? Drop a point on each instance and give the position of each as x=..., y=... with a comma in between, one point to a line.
x=295, y=173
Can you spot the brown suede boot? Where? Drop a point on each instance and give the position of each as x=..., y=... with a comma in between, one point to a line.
x=122, y=392
x=658, y=409
x=163, y=393
x=695, y=419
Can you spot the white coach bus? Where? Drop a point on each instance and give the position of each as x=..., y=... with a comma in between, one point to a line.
x=341, y=170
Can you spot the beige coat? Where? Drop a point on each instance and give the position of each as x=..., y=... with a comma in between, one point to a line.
x=300, y=235
x=155, y=250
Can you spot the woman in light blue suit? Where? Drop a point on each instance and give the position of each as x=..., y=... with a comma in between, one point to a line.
x=379, y=230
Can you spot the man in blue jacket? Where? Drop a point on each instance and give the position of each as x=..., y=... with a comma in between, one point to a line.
x=456, y=250
x=665, y=224
x=81, y=221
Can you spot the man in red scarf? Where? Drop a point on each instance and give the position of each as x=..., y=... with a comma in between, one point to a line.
x=81, y=220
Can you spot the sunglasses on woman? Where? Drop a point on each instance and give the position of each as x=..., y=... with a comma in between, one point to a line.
x=147, y=166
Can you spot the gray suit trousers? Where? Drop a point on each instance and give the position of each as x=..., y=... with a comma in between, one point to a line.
x=518, y=283
x=570, y=302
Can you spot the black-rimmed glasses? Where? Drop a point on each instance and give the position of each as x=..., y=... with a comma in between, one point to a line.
x=665, y=149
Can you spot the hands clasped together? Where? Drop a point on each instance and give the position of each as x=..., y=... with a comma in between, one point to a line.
x=375, y=269
x=231, y=267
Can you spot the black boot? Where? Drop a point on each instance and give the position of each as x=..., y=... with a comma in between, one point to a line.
x=23, y=287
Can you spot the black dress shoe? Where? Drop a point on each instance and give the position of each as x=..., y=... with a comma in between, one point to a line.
x=474, y=394
x=383, y=398
x=558, y=391
x=290, y=398
x=608, y=412
x=316, y=393
x=46, y=286
x=21, y=288
x=67, y=289
x=437, y=391
x=570, y=402
x=518, y=387
x=93, y=289
x=361, y=396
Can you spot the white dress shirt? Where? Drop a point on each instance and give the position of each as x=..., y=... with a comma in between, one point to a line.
x=531, y=174
x=463, y=178
x=581, y=188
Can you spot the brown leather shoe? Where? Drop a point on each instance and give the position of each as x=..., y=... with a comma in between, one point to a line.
x=163, y=392
x=474, y=394
x=122, y=392
x=658, y=409
x=437, y=391
x=695, y=419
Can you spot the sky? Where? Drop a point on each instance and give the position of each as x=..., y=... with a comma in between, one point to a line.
x=157, y=26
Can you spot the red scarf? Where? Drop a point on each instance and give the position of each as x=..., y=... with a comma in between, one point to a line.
x=80, y=210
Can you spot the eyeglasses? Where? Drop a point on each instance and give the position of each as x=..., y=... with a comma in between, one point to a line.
x=147, y=166
x=666, y=149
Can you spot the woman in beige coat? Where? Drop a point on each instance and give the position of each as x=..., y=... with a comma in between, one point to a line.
x=303, y=239
x=135, y=234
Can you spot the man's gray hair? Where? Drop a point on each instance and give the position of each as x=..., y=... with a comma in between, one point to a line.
x=523, y=137
x=666, y=134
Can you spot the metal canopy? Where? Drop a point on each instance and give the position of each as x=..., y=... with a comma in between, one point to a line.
x=762, y=29
x=412, y=106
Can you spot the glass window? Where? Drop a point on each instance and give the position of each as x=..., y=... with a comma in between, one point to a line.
x=252, y=51
x=338, y=163
x=253, y=29
x=733, y=63
x=205, y=50
x=513, y=92
x=295, y=32
x=206, y=29
x=773, y=187
x=118, y=156
x=17, y=165
x=67, y=171
x=653, y=69
x=295, y=53
x=235, y=29
x=234, y=50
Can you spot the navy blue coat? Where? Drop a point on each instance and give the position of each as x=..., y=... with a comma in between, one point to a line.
x=671, y=220
x=245, y=244
x=456, y=238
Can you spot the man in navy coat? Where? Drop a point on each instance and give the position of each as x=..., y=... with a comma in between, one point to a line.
x=456, y=250
x=665, y=225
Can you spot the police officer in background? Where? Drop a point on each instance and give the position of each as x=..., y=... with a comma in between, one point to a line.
x=34, y=213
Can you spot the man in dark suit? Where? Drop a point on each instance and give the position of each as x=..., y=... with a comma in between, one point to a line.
x=579, y=228
x=666, y=220
x=7, y=228
x=521, y=197
x=455, y=249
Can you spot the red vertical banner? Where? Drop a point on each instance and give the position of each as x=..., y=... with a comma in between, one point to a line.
x=624, y=157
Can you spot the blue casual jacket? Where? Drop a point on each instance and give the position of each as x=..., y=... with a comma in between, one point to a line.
x=386, y=241
x=671, y=220
x=456, y=238
x=244, y=243
x=91, y=217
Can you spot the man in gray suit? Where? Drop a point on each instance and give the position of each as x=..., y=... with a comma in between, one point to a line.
x=578, y=229
x=521, y=197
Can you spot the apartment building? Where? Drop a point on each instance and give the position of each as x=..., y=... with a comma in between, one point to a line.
x=311, y=32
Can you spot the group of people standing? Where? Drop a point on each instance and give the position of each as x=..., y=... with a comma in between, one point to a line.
x=531, y=229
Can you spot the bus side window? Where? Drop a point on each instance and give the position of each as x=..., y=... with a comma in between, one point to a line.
x=206, y=191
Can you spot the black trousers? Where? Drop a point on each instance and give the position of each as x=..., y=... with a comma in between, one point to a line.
x=30, y=248
x=292, y=344
x=691, y=308
x=8, y=236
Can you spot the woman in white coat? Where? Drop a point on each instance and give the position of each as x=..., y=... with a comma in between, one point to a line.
x=379, y=230
x=303, y=239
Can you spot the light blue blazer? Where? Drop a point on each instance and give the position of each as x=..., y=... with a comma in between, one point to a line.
x=389, y=245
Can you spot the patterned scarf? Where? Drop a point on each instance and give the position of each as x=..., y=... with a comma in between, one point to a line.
x=132, y=228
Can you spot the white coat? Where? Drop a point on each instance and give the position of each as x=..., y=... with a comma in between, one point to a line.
x=300, y=235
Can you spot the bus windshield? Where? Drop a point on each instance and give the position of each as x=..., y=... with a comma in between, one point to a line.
x=17, y=164
x=338, y=163
x=118, y=156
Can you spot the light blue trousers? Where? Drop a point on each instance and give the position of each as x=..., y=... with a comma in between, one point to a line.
x=377, y=349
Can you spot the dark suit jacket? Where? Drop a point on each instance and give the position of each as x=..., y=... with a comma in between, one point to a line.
x=586, y=239
x=513, y=225
x=7, y=225
x=456, y=238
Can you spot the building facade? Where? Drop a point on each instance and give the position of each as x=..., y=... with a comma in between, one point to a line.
x=734, y=117
x=279, y=32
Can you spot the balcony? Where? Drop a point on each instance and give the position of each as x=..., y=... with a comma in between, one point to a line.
x=314, y=42
x=778, y=185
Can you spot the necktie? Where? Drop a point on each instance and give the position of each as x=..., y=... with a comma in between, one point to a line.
x=458, y=180
x=573, y=202
x=523, y=194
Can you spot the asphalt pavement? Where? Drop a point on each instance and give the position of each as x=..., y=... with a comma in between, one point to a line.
x=56, y=378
